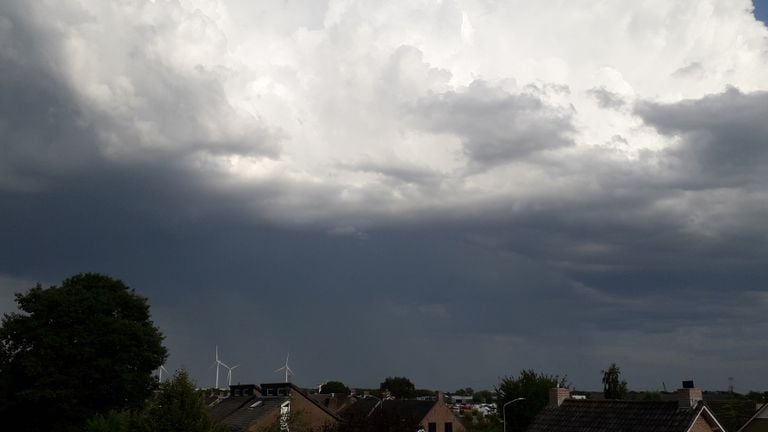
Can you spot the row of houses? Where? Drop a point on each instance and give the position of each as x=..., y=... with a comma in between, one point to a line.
x=281, y=406
x=252, y=408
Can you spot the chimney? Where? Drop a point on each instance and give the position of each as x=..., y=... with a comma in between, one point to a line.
x=689, y=395
x=558, y=395
x=440, y=396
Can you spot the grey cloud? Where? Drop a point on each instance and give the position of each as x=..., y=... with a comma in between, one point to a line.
x=495, y=126
x=150, y=110
x=723, y=137
x=630, y=262
x=607, y=99
x=403, y=172
x=693, y=70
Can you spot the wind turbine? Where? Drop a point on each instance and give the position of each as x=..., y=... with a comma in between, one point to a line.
x=285, y=368
x=229, y=373
x=217, y=363
x=160, y=373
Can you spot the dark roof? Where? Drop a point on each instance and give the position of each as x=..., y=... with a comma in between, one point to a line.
x=732, y=414
x=416, y=409
x=239, y=411
x=333, y=402
x=615, y=416
x=240, y=419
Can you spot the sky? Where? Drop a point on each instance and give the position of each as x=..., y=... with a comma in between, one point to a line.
x=447, y=190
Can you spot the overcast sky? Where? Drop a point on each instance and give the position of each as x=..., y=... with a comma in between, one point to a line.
x=448, y=190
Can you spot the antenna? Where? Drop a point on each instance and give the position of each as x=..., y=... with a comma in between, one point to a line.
x=730, y=384
x=286, y=369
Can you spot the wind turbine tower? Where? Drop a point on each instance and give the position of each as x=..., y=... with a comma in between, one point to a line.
x=229, y=373
x=218, y=364
x=286, y=369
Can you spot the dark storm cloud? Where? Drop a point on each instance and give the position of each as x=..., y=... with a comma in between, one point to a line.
x=651, y=263
x=495, y=126
x=723, y=138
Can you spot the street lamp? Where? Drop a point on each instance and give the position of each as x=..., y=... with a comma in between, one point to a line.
x=504, y=410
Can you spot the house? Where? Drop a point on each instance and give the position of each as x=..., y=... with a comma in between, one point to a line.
x=334, y=401
x=687, y=414
x=251, y=408
x=758, y=422
x=370, y=413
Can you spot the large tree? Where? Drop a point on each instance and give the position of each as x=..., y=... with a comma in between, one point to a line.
x=334, y=387
x=398, y=387
x=86, y=347
x=613, y=386
x=533, y=387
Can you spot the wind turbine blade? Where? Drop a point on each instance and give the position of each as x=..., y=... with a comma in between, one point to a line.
x=234, y=367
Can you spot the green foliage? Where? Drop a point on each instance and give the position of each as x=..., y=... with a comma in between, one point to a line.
x=113, y=421
x=425, y=393
x=757, y=396
x=651, y=396
x=532, y=386
x=398, y=387
x=84, y=348
x=334, y=387
x=464, y=392
x=179, y=407
x=175, y=407
x=613, y=386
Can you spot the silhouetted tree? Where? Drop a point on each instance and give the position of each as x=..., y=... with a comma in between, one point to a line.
x=84, y=348
x=398, y=387
x=613, y=386
x=334, y=387
x=532, y=386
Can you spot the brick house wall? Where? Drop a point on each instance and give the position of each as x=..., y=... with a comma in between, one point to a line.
x=701, y=425
x=310, y=415
x=441, y=415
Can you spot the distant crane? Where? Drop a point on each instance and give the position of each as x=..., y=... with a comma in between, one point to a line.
x=286, y=369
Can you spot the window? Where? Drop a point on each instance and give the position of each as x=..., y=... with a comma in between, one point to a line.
x=432, y=427
x=448, y=427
